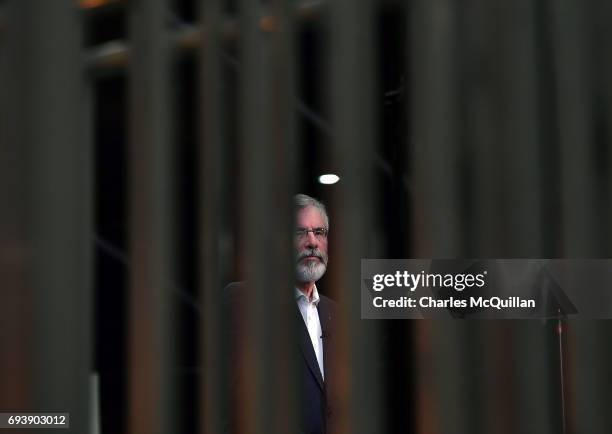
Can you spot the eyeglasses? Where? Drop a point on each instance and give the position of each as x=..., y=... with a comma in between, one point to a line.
x=320, y=233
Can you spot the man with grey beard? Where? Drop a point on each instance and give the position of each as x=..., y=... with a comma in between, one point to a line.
x=315, y=331
x=314, y=315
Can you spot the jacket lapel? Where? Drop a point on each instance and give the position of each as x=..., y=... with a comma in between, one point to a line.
x=307, y=350
x=325, y=320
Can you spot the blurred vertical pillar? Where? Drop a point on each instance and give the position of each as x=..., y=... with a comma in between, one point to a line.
x=494, y=401
x=587, y=365
x=47, y=219
x=482, y=126
x=580, y=205
x=16, y=316
x=151, y=395
x=534, y=343
x=519, y=139
x=267, y=168
x=213, y=202
x=437, y=164
x=602, y=41
x=602, y=14
x=575, y=114
x=356, y=398
x=442, y=383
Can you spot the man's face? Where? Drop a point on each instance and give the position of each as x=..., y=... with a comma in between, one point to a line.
x=310, y=247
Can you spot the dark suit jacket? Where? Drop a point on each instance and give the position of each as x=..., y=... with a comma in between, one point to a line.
x=313, y=404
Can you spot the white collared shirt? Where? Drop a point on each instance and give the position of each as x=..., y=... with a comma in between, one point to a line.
x=308, y=309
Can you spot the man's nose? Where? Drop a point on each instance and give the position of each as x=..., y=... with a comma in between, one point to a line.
x=311, y=241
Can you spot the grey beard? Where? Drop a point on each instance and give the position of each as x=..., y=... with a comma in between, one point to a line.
x=310, y=273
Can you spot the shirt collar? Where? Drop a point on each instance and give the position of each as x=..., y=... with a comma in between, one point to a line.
x=315, y=295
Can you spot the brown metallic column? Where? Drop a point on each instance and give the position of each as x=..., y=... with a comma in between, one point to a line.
x=480, y=50
x=266, y=170
x=604, y=38
x=519, y=140
x=357, y=397
x=214, y=174
x=436, y=141
x=576, y=141
x=46, y=231
x=589, y=354
x=483, y=48
x=151, y=394
x=581, y=203
x=16, y=316
x=536, y=362
x=438, y=169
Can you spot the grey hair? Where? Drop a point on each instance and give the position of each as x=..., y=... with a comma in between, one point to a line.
x=302, y=201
